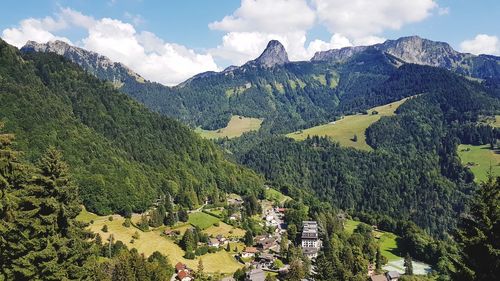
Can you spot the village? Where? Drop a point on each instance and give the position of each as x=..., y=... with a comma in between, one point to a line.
x=245, y=235
x=261, y=255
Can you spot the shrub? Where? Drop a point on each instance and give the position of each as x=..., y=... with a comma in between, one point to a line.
x=104, y=228
x=190, y=256
x=110, y=218
x=136, y=235
x=126, y=223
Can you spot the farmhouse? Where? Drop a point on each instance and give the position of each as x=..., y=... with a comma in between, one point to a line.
x=183, y=273
x=213, y=242
x=249, y=252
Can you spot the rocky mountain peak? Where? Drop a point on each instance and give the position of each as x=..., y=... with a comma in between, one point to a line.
x=274, y=54
x=97, y=64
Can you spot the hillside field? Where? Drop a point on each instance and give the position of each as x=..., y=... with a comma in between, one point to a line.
x=151, y=241
x=343, y=130
x=235, y=128
x=479, y=158
x=389, y=247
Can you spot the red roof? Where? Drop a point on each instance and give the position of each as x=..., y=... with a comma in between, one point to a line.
x=252, y=250
x=180, y=266
x=182, y=275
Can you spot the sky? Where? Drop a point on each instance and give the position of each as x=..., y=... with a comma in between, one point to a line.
x=168, y=41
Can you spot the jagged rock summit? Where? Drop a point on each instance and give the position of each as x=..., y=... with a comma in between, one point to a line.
x=274, y=54
x=97, y=64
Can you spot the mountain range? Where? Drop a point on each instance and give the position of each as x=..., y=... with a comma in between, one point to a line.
x=287, y=95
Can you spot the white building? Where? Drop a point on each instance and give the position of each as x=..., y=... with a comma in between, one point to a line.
x=310, y=239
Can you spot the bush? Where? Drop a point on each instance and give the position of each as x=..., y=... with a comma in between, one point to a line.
x=190, y=256
x=91, y=221
x=127, y=223
x=200, y=251
x=110, y=218
x=136, y=235
x=104, y=228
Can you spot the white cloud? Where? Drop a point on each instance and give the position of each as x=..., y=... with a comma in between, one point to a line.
x=256, y=22
x=353, y=22
x=361, y=18
x=482, y=44
x=145, y=53
x=268, y=16
x=40, y=30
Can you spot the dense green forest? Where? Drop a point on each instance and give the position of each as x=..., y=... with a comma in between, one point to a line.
x=414, y=172
x=122, y=155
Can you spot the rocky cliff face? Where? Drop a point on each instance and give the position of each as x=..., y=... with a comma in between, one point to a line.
x=99, y=65
x=274, y=54
x=417, y=50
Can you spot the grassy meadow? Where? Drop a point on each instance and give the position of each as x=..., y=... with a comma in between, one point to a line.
x=387, y=240
x=235, y=128
x=343, y=130
x=479, y=158
x=151, y=241
x=202, y=220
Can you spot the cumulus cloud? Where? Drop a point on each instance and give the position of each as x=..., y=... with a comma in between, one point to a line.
x=40, y=30
x=268, y=16
x=482, y=44
x=144, y=52
x=256, y=22
x=361, y=18
x=354, y=22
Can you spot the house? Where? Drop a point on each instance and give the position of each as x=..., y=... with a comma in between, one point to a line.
x=378, y=277
x=256, y=275
x=214, y=242
x=266, y=243
x=184, y=276
x=249, y=252
x=392, y=276
x=266, y=260
x=180, y=267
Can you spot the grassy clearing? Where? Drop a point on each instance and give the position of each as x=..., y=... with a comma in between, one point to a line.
x=274, y=195
x=387, y=240
x=344, y=130
x=224, y=229
x=151, y=241
x=235, y=128
x=202, y=220
x=479, y=158
x=493, y=121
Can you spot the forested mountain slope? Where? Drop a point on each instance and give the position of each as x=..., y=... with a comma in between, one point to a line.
x=122, y=155
x=287, y=95
x=413, y=173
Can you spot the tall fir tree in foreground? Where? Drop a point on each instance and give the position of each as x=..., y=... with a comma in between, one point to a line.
x=41, y=240
x=479, y=236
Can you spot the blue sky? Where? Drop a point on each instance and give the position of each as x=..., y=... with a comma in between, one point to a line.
x=169, y=41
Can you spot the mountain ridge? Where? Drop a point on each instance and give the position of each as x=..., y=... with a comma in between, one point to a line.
x=414, y=49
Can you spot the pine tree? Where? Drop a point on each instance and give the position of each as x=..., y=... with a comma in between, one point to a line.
x=248, y=238
x=201, y=268
x=479, y=236
x=378, y=260
x=408, y=264
x=48, y=243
